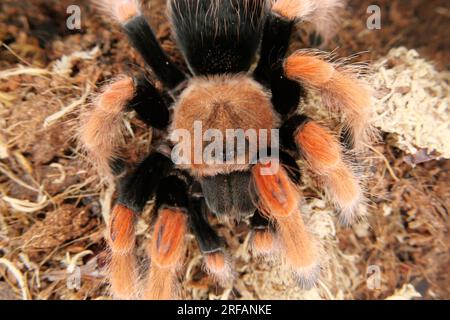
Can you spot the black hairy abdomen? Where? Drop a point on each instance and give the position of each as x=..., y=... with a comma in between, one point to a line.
x=218, y=37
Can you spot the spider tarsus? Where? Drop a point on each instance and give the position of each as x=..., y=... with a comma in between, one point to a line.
x=263, y=240
x=296, y=243
x=307, y=277
x=324, y=156
x=119, y=10
x=218, y=265
x=263, y=243
x=323, y=14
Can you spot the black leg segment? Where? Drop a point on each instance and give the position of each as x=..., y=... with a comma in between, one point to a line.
x=275, y=43
x=291, y=166
x=288, y=129
x=259, y=221
x=143, y=39
x=286, y=94
x=173, y=191
x=151, y=106
x=207, y=238
x=139, y=186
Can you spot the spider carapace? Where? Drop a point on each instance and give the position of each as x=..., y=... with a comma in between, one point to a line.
x=240, y=77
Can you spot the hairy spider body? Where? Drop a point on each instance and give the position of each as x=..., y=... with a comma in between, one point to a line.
x=218, y=37
x=220, y=41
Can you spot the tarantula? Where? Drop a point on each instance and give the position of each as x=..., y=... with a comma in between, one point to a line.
x=225, y=88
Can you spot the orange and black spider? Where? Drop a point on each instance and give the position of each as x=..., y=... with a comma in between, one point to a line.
x=220, y=41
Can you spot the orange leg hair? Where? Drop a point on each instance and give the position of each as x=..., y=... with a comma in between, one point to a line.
x=101, y=128
x=166, y=251
x=279, y=200
x=341, y=91
x=323, y=14
x=119, y=10
x=263, y=242
x=121, y=239
x=323, y=154
x=217, y=264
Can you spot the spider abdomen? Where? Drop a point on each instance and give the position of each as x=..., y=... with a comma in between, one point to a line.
x=218, y=37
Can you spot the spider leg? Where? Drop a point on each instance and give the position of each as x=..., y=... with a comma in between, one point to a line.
x=324, y=156
x=278, y=200
x=284, y=14
x=122, y=269
x=286, y=94
x=216, y=261
x=168, y=244
x=134, y=191
x=101, y=128
x=262, y=242
x=151, y=105
x=128, y=14
x=323, y=14
x=275, y=43
x=341, y=91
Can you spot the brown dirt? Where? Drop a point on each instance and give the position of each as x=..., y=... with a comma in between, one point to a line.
x=409, y=211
